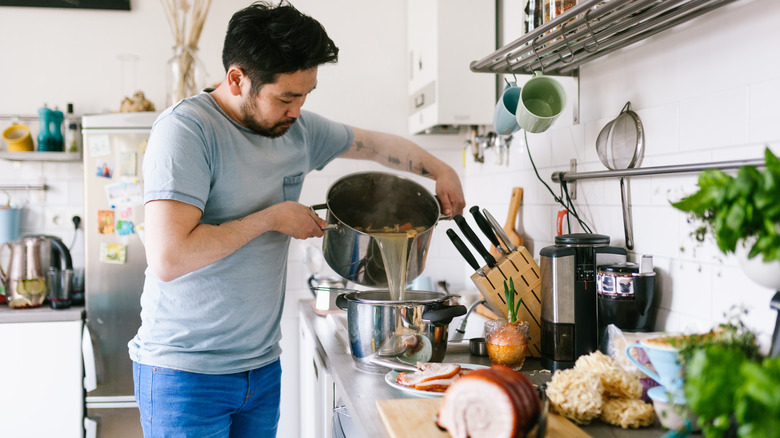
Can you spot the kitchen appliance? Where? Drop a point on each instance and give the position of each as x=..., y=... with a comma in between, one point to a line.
x=115, y=262
x=29, y=263
x=365, y=200
x=569, y=314
x=382, y=330
x=625, y=296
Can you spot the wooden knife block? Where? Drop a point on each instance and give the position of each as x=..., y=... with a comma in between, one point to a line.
x=521, y=267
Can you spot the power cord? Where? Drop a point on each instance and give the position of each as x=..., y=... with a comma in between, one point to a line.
x=568, y=204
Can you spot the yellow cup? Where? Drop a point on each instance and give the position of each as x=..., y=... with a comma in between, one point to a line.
x=18, y=138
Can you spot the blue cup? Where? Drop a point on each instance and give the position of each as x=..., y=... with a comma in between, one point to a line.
x=663, y=357
x=504, y=119
x=9, y=224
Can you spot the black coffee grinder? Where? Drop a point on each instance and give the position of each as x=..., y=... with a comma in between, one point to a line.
x=569, y=306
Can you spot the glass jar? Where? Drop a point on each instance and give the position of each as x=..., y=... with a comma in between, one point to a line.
x=507, y=342
x=185, y=74
x=554, y=8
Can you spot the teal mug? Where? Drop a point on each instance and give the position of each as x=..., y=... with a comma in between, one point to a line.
x=504, y=118
x=541, y=102
x=663, y=356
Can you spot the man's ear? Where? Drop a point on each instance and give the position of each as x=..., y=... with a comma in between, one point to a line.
x=236, y=80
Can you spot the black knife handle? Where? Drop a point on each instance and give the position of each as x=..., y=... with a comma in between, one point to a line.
x=474, y=240
x=462, y=249
x=483, y=224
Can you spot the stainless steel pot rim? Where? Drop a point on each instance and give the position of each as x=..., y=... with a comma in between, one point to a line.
x=341, y=222
x=424, y=297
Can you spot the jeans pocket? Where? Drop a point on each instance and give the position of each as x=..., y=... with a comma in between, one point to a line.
x=292, y=187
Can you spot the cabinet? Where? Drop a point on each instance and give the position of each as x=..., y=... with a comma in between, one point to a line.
x=442, y=37
x=42, y=392
x=317, y=390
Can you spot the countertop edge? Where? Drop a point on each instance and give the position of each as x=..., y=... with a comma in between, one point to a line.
x=40, y=314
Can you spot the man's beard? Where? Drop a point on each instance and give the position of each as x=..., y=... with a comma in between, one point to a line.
x=249, y=112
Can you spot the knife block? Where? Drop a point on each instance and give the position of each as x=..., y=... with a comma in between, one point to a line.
x=521, y=267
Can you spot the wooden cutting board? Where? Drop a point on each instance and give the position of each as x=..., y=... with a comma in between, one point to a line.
x=415, y=417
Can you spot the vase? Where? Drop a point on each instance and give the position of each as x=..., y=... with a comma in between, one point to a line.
x=185, y=74
x=507, y=342
x=766, y=274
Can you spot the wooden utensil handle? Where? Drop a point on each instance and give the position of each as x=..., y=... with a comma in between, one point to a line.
x=514, y=207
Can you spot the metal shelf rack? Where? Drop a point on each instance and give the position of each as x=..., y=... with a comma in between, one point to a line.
x=588, y=31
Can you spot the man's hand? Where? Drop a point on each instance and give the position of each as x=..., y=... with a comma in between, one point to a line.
x=296, y=220
x=450, y=193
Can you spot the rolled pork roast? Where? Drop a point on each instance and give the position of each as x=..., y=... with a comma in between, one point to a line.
x=493, y=402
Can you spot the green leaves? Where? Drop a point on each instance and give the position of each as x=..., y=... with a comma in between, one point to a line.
x=509, y=293
x=757, y=406
x=734, y=208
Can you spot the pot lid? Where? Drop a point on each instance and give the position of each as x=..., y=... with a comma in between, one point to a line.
x=582, y=239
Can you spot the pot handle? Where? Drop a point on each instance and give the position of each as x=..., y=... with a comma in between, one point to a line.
x=328, y=227
x=443, y=316
x=341, y=302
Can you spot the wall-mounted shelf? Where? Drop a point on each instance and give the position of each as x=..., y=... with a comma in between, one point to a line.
x=588, y=31
x=41, y=156
x=657, y=170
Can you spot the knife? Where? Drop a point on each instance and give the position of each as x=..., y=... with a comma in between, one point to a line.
x=475, y=242
x=484, y=225
x=464, y=251
x=507, y=243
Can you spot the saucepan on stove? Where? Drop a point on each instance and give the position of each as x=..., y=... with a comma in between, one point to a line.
x=361, y=202
x=385, y=333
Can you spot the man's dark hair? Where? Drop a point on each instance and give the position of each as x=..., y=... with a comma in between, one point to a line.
x=266, y=41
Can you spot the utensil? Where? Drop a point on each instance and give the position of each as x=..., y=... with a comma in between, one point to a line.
x=620, y=145
x=365, y=200
x=511, y=217
x=487, y=230
x=502, y=236
x=411, y=330
x=476, y=243
x=478, y=347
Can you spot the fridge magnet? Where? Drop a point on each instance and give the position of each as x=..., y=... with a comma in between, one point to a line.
x=113, y=253
x=105, y=169
x=125, y=193
x=105, y=221
x=128, y=164
x=124, y=228
x=126, y=214
x=99, y=145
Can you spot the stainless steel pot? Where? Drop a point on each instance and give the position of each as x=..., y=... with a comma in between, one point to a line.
x=375, y=199
x=407, y=331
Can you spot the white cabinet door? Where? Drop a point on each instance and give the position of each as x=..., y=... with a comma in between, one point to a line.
x=41, y=392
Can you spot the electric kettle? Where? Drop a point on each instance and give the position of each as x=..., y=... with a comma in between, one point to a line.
x=31, y=259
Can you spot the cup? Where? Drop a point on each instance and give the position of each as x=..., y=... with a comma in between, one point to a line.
x=9, y=223
x=59, y=288
x=18, y=138
x=541, y=102
x=504, y=118
x=77, y=287
x=663, y=357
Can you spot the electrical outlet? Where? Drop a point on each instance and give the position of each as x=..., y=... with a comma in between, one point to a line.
x=61, y=217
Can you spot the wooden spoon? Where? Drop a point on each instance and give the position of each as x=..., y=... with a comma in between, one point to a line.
x=509, y=227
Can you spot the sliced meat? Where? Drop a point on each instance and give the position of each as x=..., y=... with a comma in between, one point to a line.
x=436, y=385
x=428, y=371
x=495, y=402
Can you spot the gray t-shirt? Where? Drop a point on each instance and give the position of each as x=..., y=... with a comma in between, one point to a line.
x=224, y=318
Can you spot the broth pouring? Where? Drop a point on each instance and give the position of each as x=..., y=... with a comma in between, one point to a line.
x=394, y=246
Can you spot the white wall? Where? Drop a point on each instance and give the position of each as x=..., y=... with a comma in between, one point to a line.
x=705, y=91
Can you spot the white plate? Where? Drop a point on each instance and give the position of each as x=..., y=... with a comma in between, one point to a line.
x=390, y=379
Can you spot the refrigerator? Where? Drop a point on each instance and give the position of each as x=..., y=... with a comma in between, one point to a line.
x=115, y=261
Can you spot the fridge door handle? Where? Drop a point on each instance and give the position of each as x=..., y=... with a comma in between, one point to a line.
x=90, y=428
x=88, y=354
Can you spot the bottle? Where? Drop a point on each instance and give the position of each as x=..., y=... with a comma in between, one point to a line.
x=55, y=127
x=45, y=141
x=72, y=131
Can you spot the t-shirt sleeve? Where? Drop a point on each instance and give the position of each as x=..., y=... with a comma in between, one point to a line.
x=327, y=139
x=175, y=165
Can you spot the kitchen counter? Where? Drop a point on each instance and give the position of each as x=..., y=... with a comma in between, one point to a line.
x=40, y=314
x=360, y=390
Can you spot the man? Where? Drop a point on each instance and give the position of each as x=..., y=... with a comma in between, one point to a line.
x=223, y=171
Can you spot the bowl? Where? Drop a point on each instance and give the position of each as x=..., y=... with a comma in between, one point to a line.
x=671, y=415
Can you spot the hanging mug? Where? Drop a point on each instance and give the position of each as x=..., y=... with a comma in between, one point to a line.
x=504, y=118
x=541, y=102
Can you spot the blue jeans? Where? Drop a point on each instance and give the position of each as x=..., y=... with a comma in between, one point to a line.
x=181, y=404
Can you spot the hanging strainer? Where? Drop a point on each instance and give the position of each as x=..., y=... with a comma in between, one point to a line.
x=620, y=146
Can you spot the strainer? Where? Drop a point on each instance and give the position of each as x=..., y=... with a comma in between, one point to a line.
x=620, y=146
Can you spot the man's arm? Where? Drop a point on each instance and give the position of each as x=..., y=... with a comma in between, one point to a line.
x=399, y=153
x=177, y=243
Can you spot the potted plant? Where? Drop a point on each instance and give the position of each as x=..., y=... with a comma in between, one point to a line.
x=731, y=388
x=741, y=212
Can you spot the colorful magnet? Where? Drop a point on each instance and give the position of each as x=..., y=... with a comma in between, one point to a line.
x=105, y=221
x=113, y=253
x=105, y=169
x=124, y=228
